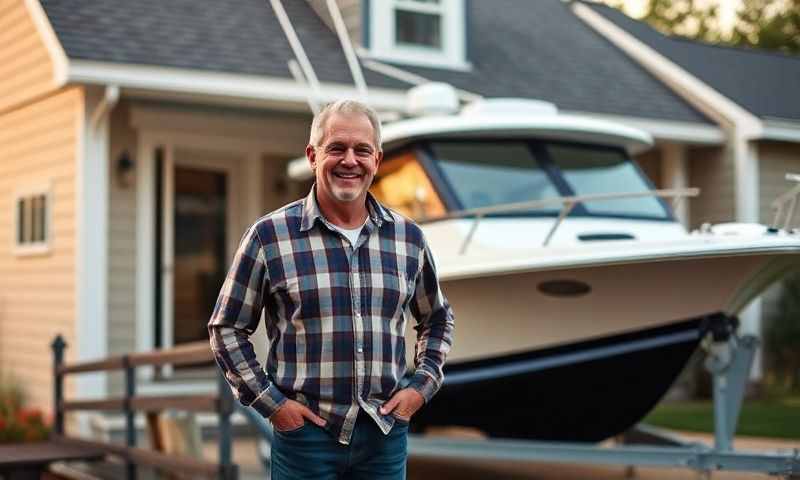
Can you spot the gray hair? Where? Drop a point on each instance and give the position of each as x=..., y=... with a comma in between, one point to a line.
x=347, y=107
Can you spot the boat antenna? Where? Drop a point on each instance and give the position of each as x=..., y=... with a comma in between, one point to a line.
x=302, y=64
x=349, y=51
x=297, y=73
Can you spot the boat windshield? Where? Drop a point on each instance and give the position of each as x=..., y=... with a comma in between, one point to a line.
x=486, y=173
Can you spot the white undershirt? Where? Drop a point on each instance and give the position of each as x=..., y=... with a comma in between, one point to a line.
x=350, y=234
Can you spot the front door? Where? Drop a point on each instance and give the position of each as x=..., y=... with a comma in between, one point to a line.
x=199, y=238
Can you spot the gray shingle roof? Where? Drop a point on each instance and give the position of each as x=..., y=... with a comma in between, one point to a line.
x=534, y=49
x=540, y=49
x=764, y=83
x=234, y=36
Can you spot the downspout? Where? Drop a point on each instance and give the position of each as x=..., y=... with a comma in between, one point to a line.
x=106, y=105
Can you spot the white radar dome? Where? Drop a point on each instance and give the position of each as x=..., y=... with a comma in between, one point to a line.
x=509, y=106
x=433, y=98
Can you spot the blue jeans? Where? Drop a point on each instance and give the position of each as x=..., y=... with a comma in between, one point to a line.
x=310, y=452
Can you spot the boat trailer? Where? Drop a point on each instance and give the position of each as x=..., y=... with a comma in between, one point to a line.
x=730, y=358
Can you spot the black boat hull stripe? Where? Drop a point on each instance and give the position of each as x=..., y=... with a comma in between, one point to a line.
x=528, y=366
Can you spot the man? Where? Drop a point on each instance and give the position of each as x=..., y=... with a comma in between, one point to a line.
x=336, y=274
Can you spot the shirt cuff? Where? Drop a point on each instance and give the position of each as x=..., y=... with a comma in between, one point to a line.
x=424, y=384
x=269, y=401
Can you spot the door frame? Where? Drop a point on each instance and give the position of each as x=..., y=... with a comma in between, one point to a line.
x=150, y=139
x=232, y=214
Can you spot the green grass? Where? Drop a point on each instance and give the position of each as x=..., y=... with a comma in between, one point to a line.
x=775, y=418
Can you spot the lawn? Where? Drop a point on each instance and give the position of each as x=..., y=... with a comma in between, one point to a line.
x=776, y=418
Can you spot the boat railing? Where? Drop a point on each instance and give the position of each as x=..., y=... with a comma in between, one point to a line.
x=566, y=203
x=785, y=204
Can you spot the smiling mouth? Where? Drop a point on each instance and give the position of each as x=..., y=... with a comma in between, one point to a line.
x=347, y=176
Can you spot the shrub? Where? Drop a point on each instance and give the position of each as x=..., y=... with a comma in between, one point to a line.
x=782, y=335
x=17, y=423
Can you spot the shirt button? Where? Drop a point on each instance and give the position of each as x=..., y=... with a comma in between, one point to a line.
x=358, y=314
x=360, y=350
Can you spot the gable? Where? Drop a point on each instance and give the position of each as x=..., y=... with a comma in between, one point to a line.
x=27, y=66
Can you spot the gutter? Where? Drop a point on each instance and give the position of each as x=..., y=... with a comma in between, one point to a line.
x=106, y=105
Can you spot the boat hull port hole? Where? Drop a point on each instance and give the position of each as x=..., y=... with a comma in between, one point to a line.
x=564, y=288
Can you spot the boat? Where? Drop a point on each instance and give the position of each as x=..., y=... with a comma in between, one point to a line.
x=579, y=297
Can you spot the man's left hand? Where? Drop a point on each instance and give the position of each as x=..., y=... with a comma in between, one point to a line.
x=403, y=404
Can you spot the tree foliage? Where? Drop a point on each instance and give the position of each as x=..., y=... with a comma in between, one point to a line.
x=782, y=335
x=765, y=24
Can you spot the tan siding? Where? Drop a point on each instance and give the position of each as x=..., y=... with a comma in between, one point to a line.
x=39, y=144
x=711, y=170
x=776, y=159
x=26, y=69
x=122, y=246
x=650, y=163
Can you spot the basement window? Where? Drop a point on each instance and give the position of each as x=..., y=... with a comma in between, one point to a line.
x=32, y=211
x=419, y=32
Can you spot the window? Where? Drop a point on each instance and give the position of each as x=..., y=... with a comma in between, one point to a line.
x=418, y=32
x=32, y=214
x=590, y=171
x=483, y=174
x=402, y=185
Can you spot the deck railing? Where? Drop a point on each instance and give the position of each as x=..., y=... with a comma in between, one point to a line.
x=130, y=403
x=566, y=203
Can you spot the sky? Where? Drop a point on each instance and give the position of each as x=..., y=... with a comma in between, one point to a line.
x=727, y=10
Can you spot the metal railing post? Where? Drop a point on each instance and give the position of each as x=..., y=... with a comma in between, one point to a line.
x=228, y=470
x=130, y=415
x=58, y=347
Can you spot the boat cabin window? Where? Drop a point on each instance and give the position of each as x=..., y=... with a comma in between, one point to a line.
x=475, y=174
x=402, y=185
x=590, y=170
x=493, y=173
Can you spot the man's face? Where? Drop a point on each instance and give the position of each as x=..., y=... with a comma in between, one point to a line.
x=347, y=160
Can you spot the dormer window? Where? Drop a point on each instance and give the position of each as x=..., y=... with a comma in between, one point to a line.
x=429, y=33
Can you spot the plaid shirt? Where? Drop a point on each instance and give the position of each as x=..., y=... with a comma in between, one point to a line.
x=335, y=313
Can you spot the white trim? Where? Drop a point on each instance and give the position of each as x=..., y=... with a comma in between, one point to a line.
x=268, y=91
x=54, y=49
x=33, y=248
x=145, y=247
x=91, y=266
x=382, y=44
x=150, y=138
x=167, y=240
x=667, y=130
x=675, y=175
x=782, y=130
x=233, y=187
x=695, y=91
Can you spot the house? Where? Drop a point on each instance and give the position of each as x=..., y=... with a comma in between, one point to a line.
x=139, y=139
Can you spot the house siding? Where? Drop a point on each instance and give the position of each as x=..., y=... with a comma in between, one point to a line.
x=26, y=69
x=121, y=245
x=39, y=144
x=711, y=170
x=776, y=159
x=650, y=163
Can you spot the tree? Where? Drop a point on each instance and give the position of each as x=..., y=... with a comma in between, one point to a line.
x=765, y=24
x=769, y=25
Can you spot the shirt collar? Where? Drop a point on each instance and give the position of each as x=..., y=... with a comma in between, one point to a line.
x=377, y=212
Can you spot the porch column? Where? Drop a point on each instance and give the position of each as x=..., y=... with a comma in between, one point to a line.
x=745, y=162
x=91, y=283
x=675, y=174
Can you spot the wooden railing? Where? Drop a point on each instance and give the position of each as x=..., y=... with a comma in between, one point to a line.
x=130, y=403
